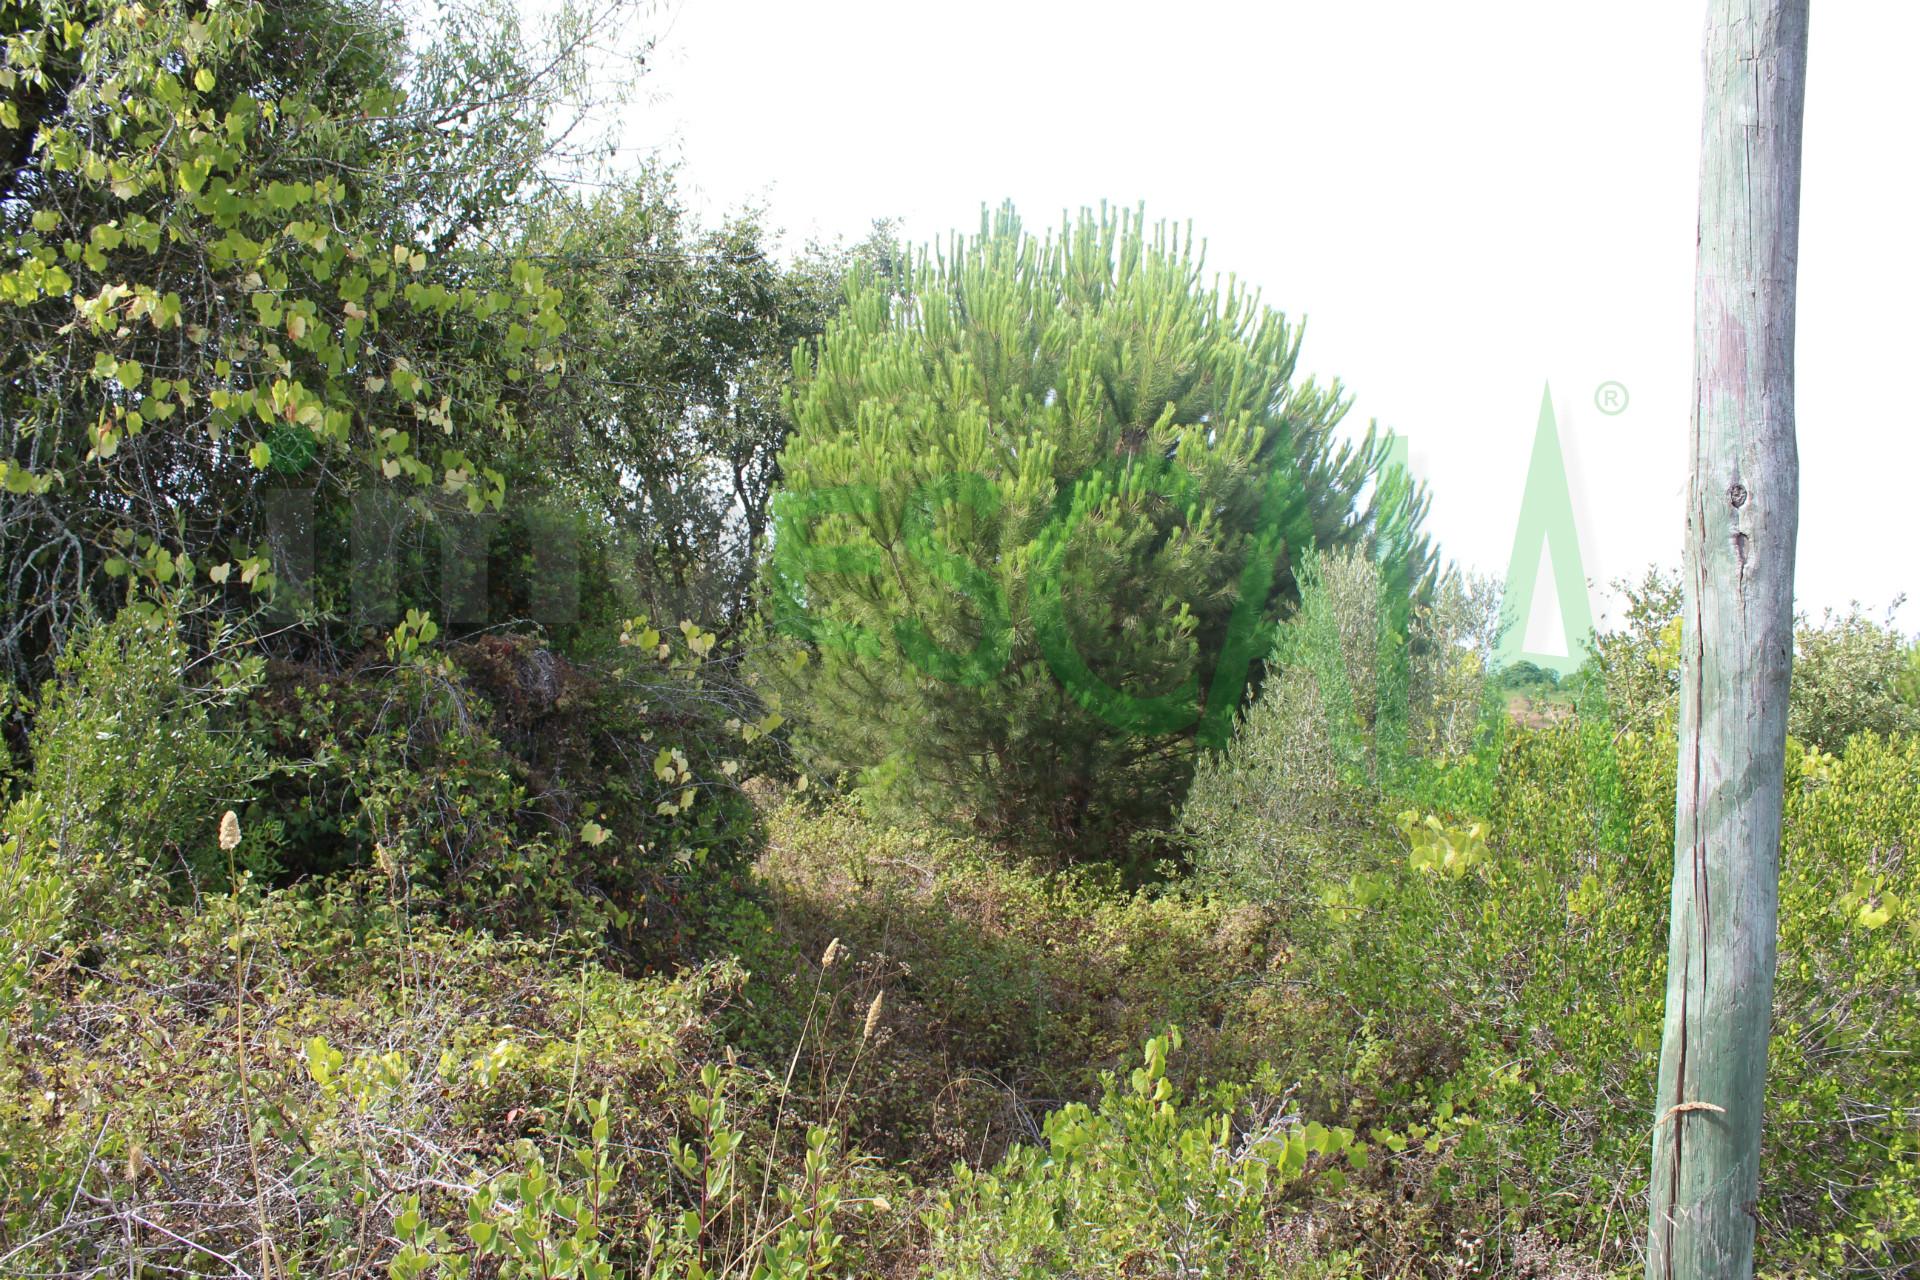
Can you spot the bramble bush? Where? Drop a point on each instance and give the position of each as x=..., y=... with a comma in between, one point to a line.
x=380, y=1001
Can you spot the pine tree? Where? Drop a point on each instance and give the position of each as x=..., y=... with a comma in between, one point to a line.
x=1039, y=508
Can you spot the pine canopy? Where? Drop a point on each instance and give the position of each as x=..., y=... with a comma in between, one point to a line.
x=1038, y=511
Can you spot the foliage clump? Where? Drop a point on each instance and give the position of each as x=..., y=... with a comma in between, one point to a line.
x=510, y=788
x=1351, y=707
x=136, y=752
x=236, y=249
x=1145, y=1179
x=1484, y=942
x=1851, y=673
x=1847, y=672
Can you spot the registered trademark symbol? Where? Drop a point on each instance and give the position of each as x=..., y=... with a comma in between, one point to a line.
x=1610, y=397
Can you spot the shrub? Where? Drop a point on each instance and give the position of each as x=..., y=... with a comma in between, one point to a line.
x=510, y=788
x=135, y=754
x=375, y=1052
x=1906, y=685
x=1526, y=677
x=1848, y=670
x=326, y=1082
x=1512, y=969
x=1068, y=456
x=1349, y=707
x=1450, y=644
x=1636, y=665
x=1500, y=956
x=1846, y=677
x=1143, y=1183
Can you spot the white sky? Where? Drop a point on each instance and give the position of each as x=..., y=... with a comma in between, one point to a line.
x=1465, y=201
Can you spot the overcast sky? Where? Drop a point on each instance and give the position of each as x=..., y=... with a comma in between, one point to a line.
x=1466, y=202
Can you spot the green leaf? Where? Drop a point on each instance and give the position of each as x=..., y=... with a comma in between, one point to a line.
x=193, y=174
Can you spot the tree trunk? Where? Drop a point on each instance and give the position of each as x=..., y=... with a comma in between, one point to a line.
x=1742, y=519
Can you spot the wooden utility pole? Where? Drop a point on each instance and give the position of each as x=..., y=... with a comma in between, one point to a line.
x=1742, y=519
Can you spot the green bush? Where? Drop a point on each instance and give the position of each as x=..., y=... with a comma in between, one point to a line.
x=1906, y=685
x=1538, y=968
x=508, y=787
x=1635, y=666
x=1846, y=680
x=38, y=897
x=1851, y=674
x=1497, y=952
x=1349, y=707
x=1526, y=677
x=135, y=754
x=1512, y=970
x=231, y=253
x=1143, y=1183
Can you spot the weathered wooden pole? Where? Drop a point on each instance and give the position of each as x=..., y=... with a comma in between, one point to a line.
x=1742, y=519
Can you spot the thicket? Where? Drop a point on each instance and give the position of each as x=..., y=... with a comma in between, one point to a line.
x=1353, y=705
x=1477, y=937
x=328, y=1085
x=1444, y=1055
x=293, y=298
x=407, y=868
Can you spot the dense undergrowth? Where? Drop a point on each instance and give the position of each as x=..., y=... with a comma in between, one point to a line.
x=885, y=1049
x=391, y=883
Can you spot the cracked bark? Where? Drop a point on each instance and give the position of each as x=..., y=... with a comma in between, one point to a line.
x=1742, y=521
